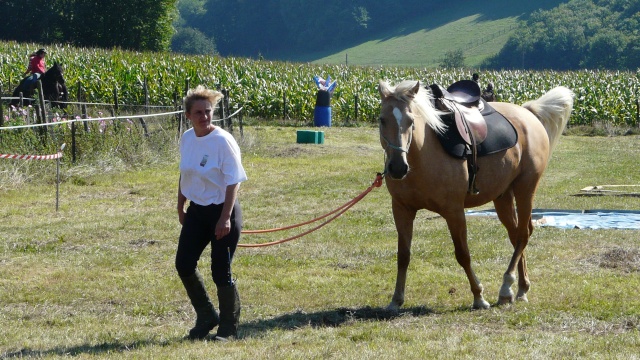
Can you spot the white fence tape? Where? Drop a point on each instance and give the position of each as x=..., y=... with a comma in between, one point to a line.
x=90, y=119
x=129, y=117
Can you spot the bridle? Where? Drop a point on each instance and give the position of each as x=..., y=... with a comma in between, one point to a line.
x=399, y=148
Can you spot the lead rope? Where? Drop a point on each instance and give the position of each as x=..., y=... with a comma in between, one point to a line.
x=339, y=211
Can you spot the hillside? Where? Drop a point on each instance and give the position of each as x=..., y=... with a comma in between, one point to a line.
x=479, y=28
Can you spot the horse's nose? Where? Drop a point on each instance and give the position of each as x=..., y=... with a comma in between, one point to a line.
x=397, y=170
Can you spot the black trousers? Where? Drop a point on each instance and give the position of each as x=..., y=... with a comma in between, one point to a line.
x=198, y=231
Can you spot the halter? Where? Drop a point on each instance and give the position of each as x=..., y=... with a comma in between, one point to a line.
x=398, y=148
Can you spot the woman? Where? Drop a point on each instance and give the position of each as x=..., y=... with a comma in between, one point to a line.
x=36, y=67
x=210, y=175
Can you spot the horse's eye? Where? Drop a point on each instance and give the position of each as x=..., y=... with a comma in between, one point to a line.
x=381, y=120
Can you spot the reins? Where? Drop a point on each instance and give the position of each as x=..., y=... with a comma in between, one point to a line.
x=336, y=213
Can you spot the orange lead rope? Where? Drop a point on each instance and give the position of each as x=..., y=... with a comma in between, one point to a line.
x=339, y=211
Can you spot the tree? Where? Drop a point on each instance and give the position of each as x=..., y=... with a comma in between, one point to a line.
x=581, y=33
x=191, y=41
x=130, y=24
x=607, y=50
x=453, y=59
x=24, y=20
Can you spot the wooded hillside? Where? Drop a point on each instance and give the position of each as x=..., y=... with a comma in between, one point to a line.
x=581, y=34
x=549, y=34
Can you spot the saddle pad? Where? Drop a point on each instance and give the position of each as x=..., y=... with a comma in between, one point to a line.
x=501, y=135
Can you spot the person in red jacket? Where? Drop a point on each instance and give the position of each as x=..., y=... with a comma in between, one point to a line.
x=36, y=67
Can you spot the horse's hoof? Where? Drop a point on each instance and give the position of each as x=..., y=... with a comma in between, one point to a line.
x=481, y=304
x=522, y=298
x=393, y=307
x=505, y=300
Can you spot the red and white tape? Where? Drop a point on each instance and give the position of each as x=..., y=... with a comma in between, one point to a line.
x=31, y=157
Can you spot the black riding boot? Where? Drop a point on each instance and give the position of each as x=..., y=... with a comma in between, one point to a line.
x=229, y=313
x=207, y=318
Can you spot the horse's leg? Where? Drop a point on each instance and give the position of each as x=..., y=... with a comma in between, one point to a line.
x=64, y=96
x=16, y=93
x=519, y=226
x=404, y=226
x=507, y=214
x=457, y=224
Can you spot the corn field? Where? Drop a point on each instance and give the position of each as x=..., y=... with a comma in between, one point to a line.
x=274, y=90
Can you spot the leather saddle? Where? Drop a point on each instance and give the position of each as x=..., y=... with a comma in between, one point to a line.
x=474, y=128
x=462, y=99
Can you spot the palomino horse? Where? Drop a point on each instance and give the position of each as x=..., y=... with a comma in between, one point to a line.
x=421, y=175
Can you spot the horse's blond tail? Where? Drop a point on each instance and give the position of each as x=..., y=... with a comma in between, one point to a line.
x=553, y=109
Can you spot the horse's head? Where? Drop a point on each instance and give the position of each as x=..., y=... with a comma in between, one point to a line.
x=55, y=73
x=54, y=87
x=404, y=107
x=396, y=125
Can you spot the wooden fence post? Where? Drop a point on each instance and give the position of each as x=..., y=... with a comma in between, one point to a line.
x=356, y=109
x=146, y=107
x=114, y=109
x=42, y=104
x=85, y=115
x=240, y=121
x=1, y=110
x=83, y=107
x=221, y=109
x=225, y=110
x=187, y=84
x=73, y=142
x=284, y=105
x=638, y=112
x=41, y=113
x=177, y=116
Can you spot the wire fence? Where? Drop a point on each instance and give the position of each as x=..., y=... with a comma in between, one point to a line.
x=91, y=127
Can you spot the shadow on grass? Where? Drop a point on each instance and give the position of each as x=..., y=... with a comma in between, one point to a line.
x=329, y=318
x=97, y=349
x=291, y=321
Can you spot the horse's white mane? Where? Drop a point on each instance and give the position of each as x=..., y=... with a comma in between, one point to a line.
x=420, y=102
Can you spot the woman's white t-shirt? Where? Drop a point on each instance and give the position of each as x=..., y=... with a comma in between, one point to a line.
x=208, y=164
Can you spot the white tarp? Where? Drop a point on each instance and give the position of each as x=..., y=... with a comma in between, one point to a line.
x=579, y=219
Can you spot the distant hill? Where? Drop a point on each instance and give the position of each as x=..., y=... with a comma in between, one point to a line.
x=479, y=28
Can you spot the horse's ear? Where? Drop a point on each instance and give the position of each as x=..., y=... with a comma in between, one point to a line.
x=384, y=89
x=415, y=89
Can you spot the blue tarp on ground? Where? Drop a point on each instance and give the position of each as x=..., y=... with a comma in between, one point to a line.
x=579, y=219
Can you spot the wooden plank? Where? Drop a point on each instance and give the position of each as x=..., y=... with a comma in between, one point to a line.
x=609, y=190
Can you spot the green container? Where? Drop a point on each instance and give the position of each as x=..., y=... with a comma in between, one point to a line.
x=310, y=137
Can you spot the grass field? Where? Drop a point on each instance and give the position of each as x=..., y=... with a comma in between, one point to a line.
x=480, y=29
x=96, y=279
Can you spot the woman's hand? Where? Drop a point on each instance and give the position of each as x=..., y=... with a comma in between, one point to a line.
x=223, y=228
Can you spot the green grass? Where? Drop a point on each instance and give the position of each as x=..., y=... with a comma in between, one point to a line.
x=427, y=47
x=96, y=279
x=480, y=29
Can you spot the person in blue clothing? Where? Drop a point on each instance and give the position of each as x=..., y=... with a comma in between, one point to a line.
x=210, y=175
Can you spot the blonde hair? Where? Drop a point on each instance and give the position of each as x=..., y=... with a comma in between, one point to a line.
x=201, y=93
